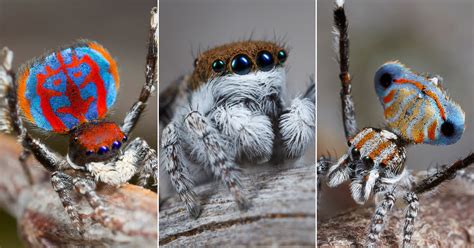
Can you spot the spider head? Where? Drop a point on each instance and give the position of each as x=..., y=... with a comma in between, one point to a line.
x=249, y=72
x=95, y=142
x=416, y=107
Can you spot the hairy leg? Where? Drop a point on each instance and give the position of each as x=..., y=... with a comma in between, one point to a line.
x=342, y=47
x=377, y=222
x=172, y=160
x=63, y=185
x=251, y=131
x=210, y=149
x=297, y=124
x=151, y=78
x=411, y=213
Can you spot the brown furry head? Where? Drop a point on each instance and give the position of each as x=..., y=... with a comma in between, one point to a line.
x=232, y=58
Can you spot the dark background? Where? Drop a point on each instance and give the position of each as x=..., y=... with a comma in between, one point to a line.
x=426, y=35
x=31, y=27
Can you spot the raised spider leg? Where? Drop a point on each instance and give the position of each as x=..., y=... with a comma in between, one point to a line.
x=173, y=161
x=62, y=184
x=297, y=124
x=151, y=77
x=342, y=47
x=209, y=149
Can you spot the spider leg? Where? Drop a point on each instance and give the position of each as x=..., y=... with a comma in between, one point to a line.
x=411, y=213
x=151, y=76
x=377, y=222
x=62, y=184
x=25, y=154
x=86, y=187
x=252, y=131
x=209, y=149
x=445, y=174
x=342, y=47
x=297, y=124
x=339, y=172
x=147, y=161
x=322, y=167
x=172, y=159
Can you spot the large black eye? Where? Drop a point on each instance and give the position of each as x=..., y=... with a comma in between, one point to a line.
x=195, y=62
x=218, y=65
x=447, y=129
x=282, y=56
x=265, y=60
x=241, y=64
x=386, y=80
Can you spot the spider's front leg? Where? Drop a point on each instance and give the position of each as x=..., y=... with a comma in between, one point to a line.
x=251, y=131
x=173, y=161
x=297, y=124
x=209, y=148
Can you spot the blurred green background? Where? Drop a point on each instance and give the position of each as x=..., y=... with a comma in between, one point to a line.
x=426, y=35
x=30, y=28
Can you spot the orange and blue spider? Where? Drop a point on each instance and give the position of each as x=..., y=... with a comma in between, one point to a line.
x=69, y=91
x=417, y=110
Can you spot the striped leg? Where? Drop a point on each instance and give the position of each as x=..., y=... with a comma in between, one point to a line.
x=377, y=223
x=342, y=47
x=411, y=213
x=172, y=160
x=210, y=149
x=62, y=184
x=86, y=187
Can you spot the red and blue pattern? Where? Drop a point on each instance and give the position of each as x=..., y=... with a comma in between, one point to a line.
x=68, y=87
x=416, y=107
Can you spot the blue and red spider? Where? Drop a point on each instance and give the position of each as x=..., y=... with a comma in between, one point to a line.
x=417, y=110
x=70, y=91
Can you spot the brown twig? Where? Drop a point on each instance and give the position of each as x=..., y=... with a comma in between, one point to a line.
x=282, y=213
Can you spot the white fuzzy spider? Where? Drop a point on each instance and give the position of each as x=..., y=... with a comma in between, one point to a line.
x=229, y=111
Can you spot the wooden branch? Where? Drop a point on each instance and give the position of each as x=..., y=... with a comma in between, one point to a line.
x=282, y=213
x=445, y=220
x=42, y=220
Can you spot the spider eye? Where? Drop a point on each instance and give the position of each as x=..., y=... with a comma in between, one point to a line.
x=195, y=62
x=125, y=138
x=447, y=129
x=218, y=65
x=116, y=145
x=103, y=150
x=282, y=56
x=241, y=64
x=386, y=80
x=88, y=153
x=265, y=60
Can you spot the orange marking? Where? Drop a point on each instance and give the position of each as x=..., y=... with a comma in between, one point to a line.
x=113, y=66
x=389, y=158
x=364, y=139
x=376, y=152
x=389, y=97
x=427, y=92
x=432, y=130
x=77, y=73
x=418, y=136
x=22, y=100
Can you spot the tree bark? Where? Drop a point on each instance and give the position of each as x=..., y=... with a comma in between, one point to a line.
x=282, y=213
x=43, y=222
x=445, y=219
